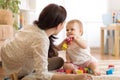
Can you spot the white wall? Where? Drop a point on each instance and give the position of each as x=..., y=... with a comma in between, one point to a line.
x=113, y=5
x=88, y=11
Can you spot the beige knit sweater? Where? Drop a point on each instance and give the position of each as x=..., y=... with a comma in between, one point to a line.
x=25, y=52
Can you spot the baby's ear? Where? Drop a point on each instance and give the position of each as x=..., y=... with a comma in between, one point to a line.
x=81, y=31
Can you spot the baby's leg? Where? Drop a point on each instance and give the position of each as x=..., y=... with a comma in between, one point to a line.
x=94, y=67
x=68, y=66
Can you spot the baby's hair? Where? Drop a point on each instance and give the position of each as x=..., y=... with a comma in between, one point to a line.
x=76, y=21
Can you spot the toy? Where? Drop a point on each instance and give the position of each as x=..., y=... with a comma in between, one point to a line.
x=80, y=71
x=109, y=66
x=109, y=71
x=60, y=70
x=67, y=42
x=64, y=46
x=85, y=70
x=68, y=71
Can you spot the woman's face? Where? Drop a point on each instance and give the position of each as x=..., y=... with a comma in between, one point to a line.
x=73, y=30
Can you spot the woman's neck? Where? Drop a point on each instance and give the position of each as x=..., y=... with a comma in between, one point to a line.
x=50, y=32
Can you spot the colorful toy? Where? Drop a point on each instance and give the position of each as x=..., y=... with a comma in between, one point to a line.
x=68, y=71
x=60, y=70
x=80, y=71
x=67, y=42
x=109, y=71
x=85, y=70
x=64, y=46
x=109, y=66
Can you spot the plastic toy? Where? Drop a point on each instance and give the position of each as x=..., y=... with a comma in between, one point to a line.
x=109, y=66
x=64, y=46
x=80, y=71
x=60, y=70
x=109, y=71
x=68, y=71
x=67, y=42
x=85, y=70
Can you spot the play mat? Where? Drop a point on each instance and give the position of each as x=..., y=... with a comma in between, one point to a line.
x=103, y=64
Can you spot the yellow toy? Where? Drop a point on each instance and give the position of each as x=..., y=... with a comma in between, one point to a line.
x=80, y=72
x=64, y=46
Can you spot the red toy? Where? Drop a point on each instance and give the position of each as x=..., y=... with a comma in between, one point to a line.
x=60, y=70
x=68, y=71
x=111, y=66
x=69, y=40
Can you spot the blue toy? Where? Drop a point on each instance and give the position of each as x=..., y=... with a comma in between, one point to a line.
x=109, y=71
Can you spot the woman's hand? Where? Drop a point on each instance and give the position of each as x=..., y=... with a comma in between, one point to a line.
x=83, y=77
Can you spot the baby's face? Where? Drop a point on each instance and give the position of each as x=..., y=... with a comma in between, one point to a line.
x=73, y=30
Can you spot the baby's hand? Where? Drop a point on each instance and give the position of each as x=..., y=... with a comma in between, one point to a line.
x=69, y=40
x=74, y=71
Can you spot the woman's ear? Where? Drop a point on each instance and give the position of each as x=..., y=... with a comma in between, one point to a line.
x=60, y=26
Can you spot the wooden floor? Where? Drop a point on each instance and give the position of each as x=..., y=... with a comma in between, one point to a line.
x=94, y=51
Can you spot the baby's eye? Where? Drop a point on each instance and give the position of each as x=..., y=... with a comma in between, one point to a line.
x=72, y=29
x=67, y=30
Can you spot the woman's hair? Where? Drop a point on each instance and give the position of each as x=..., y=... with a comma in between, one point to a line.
x=71, y=22
x=51, y=16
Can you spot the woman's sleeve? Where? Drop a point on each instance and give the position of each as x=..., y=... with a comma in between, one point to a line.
x=40, y=55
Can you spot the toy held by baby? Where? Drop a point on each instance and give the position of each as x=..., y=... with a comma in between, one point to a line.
x=68, y=41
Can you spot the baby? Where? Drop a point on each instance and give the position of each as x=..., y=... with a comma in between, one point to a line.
x=77, y=50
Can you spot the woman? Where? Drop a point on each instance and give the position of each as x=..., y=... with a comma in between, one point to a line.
x=27, y=53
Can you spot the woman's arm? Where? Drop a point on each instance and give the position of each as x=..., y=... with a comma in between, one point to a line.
x=71, y=77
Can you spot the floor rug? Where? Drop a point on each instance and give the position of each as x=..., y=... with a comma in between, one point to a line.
x=103, y=65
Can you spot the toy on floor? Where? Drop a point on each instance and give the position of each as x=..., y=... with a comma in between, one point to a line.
x=61, y=70
x=68, y=71
x=110, y=70
x=67, y=42
x=82, y=70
